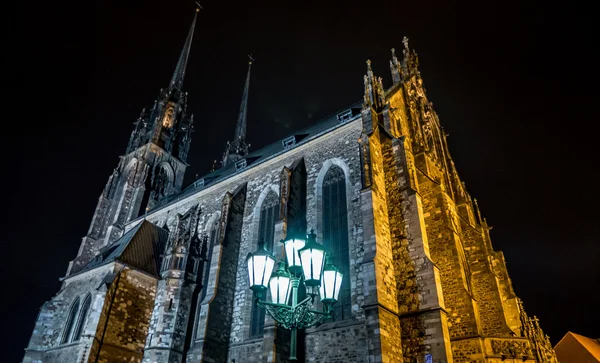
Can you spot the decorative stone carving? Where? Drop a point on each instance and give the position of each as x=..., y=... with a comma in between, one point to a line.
x=225, y=209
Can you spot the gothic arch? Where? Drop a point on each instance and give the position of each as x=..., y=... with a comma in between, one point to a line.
x=336, y=169
x=254, y=317
x=328, y=164
x=70, y=323
x=83, y=314
x=273, y=188
x=164, y=178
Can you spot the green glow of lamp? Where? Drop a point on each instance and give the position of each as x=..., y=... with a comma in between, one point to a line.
x=292, y=245
x=312, y=258
x=280, y=285
x=330, y=283
x=260, y=267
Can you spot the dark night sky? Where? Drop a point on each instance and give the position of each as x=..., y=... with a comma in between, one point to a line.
x=514, y=85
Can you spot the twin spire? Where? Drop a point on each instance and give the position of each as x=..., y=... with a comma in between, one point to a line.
x=238, y=148
x=179, y=74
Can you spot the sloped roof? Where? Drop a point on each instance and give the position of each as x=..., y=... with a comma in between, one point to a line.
x=140, y=248
x=575, y=348
x=254, y=158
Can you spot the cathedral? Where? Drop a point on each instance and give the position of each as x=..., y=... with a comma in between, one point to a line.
x=161, y=275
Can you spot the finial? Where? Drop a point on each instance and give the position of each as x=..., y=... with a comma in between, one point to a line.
x=198, y=6
x=369, y=64
x=405, y=42
x=251, y=59
x=393, y=52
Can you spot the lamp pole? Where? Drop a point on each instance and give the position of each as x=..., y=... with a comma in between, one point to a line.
x=294, y=337
x=305, y=259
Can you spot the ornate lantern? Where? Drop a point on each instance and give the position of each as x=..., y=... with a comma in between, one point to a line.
x=280, y=285
x=260, y=266
x=330, y=283
x=312, y=258
x=292, y=245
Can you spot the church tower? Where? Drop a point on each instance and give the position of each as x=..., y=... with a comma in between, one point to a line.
x=152, y=168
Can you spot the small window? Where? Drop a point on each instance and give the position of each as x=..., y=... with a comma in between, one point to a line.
x=199, y=183
x=240, y=164
x=179, y=262
x=196, y=266
x=344, y=116
x=288, y=142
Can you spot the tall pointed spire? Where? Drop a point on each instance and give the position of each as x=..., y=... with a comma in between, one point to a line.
x=179, y=74
x=240, y=130
x=238, y=148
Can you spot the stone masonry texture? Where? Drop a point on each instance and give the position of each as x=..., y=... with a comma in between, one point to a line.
x=426, y=284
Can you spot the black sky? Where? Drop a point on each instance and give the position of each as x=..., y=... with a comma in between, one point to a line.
x=515, y=85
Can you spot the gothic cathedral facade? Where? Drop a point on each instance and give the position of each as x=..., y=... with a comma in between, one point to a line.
x=161, y=274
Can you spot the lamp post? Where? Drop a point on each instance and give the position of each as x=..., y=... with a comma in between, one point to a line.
x=307, y=263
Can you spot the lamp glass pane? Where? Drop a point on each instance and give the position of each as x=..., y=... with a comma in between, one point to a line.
x=270, y=264
x=312, y=263
x=327, y=285
x=338, y=285
x=280, y=289
x=291, y=251
x=250, y=270
x=260, y=268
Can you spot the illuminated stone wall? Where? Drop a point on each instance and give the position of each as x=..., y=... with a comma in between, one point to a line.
x=45, y=344
x=124, y=321
x=425, y=280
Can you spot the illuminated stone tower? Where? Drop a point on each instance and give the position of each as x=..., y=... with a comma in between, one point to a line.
x=151, y=169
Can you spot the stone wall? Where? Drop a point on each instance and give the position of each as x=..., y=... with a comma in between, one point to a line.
x=125, y=317
x=45, y=343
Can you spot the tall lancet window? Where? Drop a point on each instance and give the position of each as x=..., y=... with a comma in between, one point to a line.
x=269, y=214
x=70, y=325
x=335, y=235
x=82, y=317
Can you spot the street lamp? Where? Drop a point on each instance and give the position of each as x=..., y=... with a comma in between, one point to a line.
x=305, y=261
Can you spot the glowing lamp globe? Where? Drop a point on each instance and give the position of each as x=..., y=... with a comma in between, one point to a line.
x=280, y=285
x=331, y=283
x=292, y=246
x=312, y=259
x=260, y=267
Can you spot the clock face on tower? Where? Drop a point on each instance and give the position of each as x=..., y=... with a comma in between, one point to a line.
x=168, y=118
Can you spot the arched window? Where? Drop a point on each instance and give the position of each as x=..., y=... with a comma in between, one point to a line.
x=335, y=235
x=70, y=325
x=82, y=317
x=269, y=214
x=162, y=182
